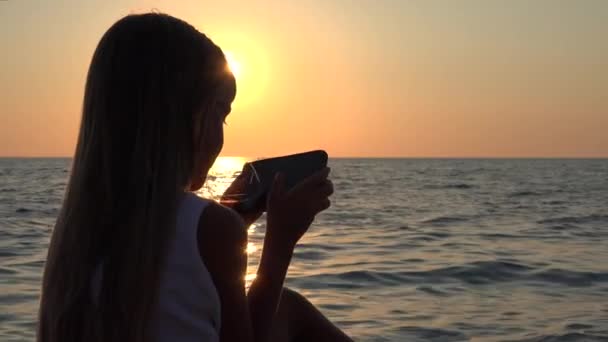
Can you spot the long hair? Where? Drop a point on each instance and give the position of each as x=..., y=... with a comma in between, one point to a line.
x=151, y=78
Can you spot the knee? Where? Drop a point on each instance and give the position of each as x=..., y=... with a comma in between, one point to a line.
x=292, y=296
x=295, y=304
x=294, y=312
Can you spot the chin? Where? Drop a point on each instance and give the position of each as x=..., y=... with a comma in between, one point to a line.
x=199, y=181
x=197, y=184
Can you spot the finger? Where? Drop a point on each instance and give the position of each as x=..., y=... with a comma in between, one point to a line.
x=228, y=201
x=277, y=188
x=326, y=189
x=244, y=177
x=242, y=173
x=314, y=179
x=323, y=205
x=235, y=191
x=239, y=180
x=251, y=217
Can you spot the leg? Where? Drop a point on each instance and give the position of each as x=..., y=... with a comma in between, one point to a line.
x=298, y=320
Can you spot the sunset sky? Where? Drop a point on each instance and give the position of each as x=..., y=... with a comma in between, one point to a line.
x=354, y=77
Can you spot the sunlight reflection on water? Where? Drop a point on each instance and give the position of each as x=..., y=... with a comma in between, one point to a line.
x=221, y=175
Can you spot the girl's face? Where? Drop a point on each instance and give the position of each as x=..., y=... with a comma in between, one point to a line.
x=213, y=134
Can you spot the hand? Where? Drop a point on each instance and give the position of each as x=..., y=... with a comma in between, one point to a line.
x=237, y=189
x=290, y=213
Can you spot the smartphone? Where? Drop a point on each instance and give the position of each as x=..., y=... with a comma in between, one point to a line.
x=261, y=173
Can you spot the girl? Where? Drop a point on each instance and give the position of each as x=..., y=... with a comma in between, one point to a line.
x=135, y=256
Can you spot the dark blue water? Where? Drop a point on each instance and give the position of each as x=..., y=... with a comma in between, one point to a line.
x=442, y=250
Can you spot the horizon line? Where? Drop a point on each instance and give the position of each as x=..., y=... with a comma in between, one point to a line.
x=365, y=157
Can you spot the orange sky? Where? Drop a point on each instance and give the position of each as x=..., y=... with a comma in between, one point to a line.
x=354, y=77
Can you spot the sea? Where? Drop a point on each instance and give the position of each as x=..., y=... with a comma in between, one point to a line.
x=411, y=249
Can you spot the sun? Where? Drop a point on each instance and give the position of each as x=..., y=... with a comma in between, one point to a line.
x=248, y=60
x=233, y=64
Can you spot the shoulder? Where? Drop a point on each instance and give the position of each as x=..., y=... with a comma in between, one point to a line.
x=222, y=223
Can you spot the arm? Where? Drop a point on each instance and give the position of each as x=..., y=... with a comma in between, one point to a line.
x=289, y=217
x=265, y=291
x=222, y=239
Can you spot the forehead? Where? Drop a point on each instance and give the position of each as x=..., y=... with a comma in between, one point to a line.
x=227, y=89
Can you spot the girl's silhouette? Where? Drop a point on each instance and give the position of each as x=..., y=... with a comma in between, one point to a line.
x=134, y=255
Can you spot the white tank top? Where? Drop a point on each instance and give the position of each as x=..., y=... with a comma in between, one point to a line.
x=188, y=306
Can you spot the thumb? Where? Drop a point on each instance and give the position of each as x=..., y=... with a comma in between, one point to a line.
x=277, y=189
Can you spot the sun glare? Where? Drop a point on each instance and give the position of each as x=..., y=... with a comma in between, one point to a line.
x=248, y=59
x=227, y=165
x=233, y=64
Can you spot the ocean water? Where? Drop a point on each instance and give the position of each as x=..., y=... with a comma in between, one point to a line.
x=411, y=250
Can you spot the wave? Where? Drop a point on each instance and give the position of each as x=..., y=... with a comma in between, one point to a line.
x=443, y=220
x=7, y=253
x=7, y=270
x=430, y=334
x=578, y=326
x=593, y=218
x=310, y=255
x=475, y=273
x=569, y=337
x=449, y=186
x=494, y=236
x=427, y=237
x=480, y=272
x=458, y=186
x=432, y=291
x=570, y=278
x=555, y=202
x=524, y=194
x=37, y=209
